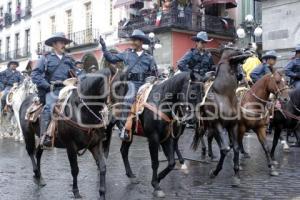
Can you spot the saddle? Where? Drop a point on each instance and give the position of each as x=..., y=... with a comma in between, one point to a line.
x=137, y=108
x=34, y=111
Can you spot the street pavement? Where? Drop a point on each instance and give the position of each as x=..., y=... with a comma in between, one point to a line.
x=16, y=174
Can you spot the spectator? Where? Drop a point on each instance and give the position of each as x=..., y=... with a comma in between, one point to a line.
x=18, y=12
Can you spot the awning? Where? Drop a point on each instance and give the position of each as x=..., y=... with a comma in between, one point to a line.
x=229, y=3
x=120, y=3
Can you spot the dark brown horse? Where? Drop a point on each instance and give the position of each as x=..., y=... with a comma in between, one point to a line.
x=81, y=127
x=255, y=111
x=220, y=110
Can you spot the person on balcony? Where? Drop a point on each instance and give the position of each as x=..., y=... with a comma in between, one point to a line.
x=18, y=12
x=140, y=65
x=267, y=66
x=292, y=70
x=197, y=59
x=48, y=75
x=9, y=78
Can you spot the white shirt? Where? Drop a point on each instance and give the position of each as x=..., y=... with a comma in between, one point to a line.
x=59, y=56
x=139, y=53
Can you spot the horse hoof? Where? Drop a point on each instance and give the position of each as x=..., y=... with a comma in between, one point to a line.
x=211, y=174
x=274, y=162
x=246, y=155
x=76, y=194
x=184, y=167
x=159, y=194
x=134, y=180
x=274, y=173
x=39, y=181
x=236, y=182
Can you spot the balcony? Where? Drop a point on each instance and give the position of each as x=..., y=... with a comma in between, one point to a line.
x=188, y=22
x=15, y=54
x=81, y=39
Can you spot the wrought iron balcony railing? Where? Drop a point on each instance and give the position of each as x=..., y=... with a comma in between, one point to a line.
x=15, y=54
x=173, y=19
x=80, y=39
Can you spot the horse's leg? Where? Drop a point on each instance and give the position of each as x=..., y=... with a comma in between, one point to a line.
x=153, y=148
x=168, y=150
x=124, y=152
x=242, y=130
x=234, y=132
x=210, y=137
x=38, y=156
x=224, y=149
x=261, y=134
x=275, y=142
x=179, y=155
x=74, y=169
x=99, y=155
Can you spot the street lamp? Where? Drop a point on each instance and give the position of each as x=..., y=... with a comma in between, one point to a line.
x=154, y=43
x=249, y=27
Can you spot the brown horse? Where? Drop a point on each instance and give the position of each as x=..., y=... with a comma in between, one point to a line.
x=255, y=110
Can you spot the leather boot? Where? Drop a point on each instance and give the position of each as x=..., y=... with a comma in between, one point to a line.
x=45, y=121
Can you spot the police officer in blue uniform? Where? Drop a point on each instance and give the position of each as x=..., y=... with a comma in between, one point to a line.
x=9, y=77
x=197, y=59
x=50, y=72
x=292, y=69
x=268, y=61
x=79, y=68
x=139, y=65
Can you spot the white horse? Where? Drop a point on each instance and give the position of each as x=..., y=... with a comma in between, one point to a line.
x=12, y=121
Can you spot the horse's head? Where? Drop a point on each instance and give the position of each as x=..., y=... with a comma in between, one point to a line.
x=233, y=56
x=276, y=85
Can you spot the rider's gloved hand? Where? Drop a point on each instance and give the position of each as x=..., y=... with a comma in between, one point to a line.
x=102, y=43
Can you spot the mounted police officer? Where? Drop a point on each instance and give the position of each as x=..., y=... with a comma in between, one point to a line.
x=267, y=66
x=49, y=74
x=9, y=77
x=139, y=65
x=292, y=69
x=197, y=59
x=79, y=68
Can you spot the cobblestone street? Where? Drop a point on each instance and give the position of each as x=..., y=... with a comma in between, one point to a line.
x=16, y=175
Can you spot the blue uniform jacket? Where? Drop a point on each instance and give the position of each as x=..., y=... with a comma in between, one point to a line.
x=259, y=71
x=9, y=77
x=145, y=64
x=292, y=70
x=193, y=60
x=45, y=71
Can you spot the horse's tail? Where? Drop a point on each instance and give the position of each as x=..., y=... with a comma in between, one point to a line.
x=199, y=132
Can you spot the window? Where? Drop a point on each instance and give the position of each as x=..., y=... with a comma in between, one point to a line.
x=53, y=27
x=1, y=12
x=0, y=49
x=27, y=41
x=9, y=7
x=69, y=22
x=111, y=12
x=88, y=23
x=7, y=47
x=17, y=43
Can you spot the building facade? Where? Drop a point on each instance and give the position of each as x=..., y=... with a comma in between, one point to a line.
x=281, y=23
x=15, y=32
x=175, y=22
x=83, y=21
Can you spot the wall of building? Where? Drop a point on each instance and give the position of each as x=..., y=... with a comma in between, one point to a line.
x=281, y=25
x=13, y=29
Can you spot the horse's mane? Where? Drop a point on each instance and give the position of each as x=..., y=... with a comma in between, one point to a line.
x=172, y=84
x=295, y=97
x=93, y=82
